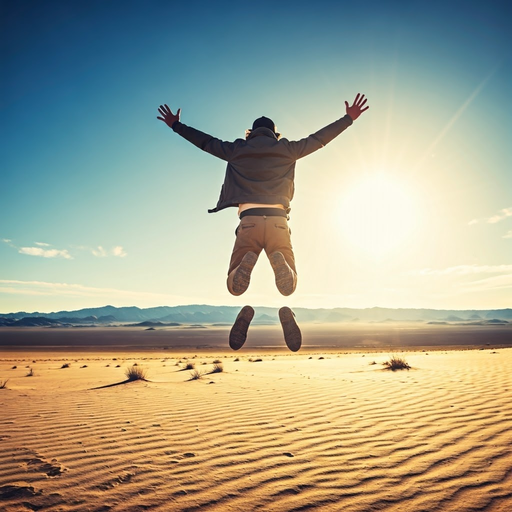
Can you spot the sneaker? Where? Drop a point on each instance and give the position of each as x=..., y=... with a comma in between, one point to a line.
x=285, y=279
x=242, y=276
x=238, y=333
x=292, y=334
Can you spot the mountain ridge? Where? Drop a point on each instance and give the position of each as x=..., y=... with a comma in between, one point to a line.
x=204, y=313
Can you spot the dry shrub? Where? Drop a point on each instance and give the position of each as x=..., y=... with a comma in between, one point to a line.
x=30, y=373
x=135, y=373
x=65, y=365
x=189, y=366
x=195, y=375
x=396, y=363
x=3, y=383
x=217, y=368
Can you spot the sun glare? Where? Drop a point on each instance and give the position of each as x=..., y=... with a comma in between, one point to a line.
x=377, y=215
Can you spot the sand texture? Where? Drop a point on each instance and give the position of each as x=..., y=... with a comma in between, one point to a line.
x=290, y=432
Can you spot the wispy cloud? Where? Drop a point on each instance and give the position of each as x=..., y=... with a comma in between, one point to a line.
x=100, y=252
x=464, y=270
x=462, y=280
x=508, y=235
x=493, y=219
x=45, y=253
x=119, y=251
x=490, y=283
x=44, y=250
x=41, y=288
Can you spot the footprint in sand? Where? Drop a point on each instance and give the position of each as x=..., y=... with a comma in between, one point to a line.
x=52, y=468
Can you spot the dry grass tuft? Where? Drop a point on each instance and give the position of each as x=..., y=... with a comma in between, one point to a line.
x=189, y=366
x=397, y=363
x=217, y=368
x=30, y=373
x=195, y=375
x=65, y=365
x=3, y=383
x=135, y=373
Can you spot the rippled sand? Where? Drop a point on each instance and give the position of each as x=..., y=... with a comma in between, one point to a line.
x=309, y=431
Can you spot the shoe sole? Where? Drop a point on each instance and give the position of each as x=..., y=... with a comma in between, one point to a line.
x=238, y=333
x=283, y=273
x=242, y=277
x=291, y=331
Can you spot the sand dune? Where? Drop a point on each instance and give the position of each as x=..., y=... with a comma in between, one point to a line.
x=311, y=431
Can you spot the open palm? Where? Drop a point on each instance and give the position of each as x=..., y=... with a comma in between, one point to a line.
x=167, y=116
x=356, y=109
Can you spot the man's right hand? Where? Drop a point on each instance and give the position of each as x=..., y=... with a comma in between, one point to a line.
x=356, y=109
x=167, y=116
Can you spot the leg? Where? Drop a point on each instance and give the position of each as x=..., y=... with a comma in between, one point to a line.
x=248, y=245
x=279, y=250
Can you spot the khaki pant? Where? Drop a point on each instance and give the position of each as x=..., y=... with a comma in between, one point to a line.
x=258, y=232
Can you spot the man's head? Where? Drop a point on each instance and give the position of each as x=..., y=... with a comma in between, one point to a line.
x=263, y=122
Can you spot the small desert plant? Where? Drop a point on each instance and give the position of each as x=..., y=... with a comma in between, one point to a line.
x=189, y=366
x=396, y=363
x=3, y=383
x=135, y=373
x=30, y=373
x=65, y=365
x=217, y=368
x=14, y=368
x=236, y=359
x=195, y=375
x=217, y=361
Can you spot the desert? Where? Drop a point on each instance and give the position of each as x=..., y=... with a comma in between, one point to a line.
x=207, y=428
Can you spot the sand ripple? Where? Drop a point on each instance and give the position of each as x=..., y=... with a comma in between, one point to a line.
x=290, y=434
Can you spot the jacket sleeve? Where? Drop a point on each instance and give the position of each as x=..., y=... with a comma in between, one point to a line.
x=319, y=139
x=203, y=141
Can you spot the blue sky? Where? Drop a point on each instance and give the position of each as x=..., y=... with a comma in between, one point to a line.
x=102, y=204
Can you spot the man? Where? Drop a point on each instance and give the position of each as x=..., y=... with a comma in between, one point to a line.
x=259, y=181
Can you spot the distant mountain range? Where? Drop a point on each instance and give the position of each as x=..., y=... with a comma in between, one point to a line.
x=204, y=314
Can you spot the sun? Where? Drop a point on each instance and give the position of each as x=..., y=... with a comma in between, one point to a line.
x=377, y=215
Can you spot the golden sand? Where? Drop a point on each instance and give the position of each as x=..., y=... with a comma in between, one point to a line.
x=290, y=432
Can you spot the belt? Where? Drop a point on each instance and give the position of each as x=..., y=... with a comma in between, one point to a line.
x=260, y=212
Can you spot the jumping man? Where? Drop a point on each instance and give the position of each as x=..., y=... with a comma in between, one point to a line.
x=259, y=181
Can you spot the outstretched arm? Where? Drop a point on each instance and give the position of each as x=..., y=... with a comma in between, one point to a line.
x=167, y=116
x=322, y=137
x=212, y=145
x=356, y=109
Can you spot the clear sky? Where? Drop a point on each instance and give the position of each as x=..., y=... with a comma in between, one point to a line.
x=101, y=203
